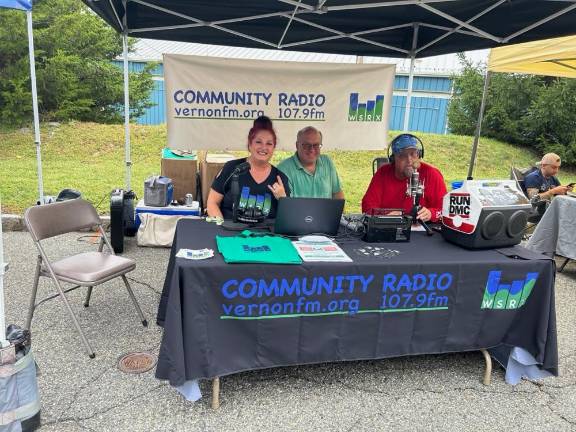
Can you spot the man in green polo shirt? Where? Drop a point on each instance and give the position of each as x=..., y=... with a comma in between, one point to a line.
x=311, y=174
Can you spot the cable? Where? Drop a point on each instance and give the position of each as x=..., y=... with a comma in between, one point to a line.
x=101, y=200
x=143, y=283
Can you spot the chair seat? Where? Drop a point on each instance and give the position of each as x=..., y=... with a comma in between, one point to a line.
x=92, y=267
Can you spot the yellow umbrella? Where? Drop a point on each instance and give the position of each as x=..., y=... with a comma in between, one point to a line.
x=552, y=57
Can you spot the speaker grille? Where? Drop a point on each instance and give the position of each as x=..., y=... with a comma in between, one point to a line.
x=493, y=225
x=516, y=223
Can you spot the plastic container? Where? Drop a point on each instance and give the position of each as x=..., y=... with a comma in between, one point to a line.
x=20, y=398
x=457, y=184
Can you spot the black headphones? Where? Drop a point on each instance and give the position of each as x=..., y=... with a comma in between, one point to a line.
x=420, y=150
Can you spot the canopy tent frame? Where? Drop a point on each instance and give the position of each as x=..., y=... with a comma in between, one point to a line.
x=37, y=140
x=302, y=13
x=25, y=5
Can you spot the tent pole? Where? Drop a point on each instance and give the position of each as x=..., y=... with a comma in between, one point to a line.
x=479, y=125
x=35, y=108
x=126, y=112
x=3, y=341
x=410, y=79
x=409, y=95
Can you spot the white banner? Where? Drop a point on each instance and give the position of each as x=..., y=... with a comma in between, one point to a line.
x=212, y=102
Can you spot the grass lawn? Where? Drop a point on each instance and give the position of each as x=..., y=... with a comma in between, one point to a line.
x=90, y=158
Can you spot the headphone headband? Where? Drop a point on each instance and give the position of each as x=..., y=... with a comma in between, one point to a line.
x=420, y=150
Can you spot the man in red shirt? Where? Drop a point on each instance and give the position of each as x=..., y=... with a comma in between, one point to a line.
x=388, y=186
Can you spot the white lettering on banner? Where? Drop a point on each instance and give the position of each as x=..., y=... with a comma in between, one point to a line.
x=211, y=103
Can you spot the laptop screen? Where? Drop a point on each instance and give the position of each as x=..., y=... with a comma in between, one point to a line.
x=301, y=216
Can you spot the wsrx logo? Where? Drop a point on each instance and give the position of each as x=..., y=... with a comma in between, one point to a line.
x=369, y=111
x=508, y=295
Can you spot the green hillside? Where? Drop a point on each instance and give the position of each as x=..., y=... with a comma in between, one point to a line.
x=89, y=157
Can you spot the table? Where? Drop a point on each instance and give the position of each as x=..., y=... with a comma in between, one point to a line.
x=556, y=231
x=432, y=297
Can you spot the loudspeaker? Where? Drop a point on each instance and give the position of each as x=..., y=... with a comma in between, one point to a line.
x=495, y=228
x=400, y=137
x=121, y=218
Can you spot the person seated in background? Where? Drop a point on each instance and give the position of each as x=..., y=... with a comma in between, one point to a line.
x=389, y=184
x=543, y=182
x=262, y=180
x=310, y=173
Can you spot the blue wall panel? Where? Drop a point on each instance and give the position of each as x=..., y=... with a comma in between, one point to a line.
x=157, y=113
x=427, y=114
x=424, y=83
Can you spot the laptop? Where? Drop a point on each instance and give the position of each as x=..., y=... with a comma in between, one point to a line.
x=301, y=216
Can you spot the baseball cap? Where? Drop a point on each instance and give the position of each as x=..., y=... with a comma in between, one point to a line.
x=404, y=141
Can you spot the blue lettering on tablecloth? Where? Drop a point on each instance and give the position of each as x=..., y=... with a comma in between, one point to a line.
x=251, y=298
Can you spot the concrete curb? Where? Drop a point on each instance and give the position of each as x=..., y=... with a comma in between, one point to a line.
x=12, y=222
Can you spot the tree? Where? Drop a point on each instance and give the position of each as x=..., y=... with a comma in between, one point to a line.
x=551, y=121
x=76, y=78
x=508, y=101
x=535, y=111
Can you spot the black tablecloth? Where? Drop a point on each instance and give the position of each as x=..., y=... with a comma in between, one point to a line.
x=430, y=297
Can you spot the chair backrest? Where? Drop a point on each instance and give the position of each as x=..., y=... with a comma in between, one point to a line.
x=50, y=220
x=517, y=175
x=378, y=162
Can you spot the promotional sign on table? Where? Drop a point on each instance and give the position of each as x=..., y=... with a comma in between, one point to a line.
x=212, y=102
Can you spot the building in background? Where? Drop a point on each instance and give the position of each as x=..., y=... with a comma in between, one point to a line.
x=431, y=91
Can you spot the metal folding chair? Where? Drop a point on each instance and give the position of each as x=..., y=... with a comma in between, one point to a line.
x=84, y=269
x=378, y=162
x=538, y=208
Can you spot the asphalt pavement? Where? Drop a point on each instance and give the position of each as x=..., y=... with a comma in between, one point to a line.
x=421, y=393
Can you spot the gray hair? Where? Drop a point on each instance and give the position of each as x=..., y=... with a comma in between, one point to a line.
x=305, y=131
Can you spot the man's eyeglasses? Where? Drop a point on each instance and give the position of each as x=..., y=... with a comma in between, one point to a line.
x=309, y=147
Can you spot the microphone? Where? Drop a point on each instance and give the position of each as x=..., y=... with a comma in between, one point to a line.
x=241, y=168
x=414, y=184
x=414, y=187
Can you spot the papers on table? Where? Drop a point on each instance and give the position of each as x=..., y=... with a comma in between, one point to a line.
x=324, y=251
x=195, y=254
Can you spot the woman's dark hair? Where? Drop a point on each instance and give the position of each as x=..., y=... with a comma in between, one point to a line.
x=261, y=123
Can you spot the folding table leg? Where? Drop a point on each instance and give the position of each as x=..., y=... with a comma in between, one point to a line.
x=488, y=370
x=136, y=305
x=216, y=393
x=33, y=294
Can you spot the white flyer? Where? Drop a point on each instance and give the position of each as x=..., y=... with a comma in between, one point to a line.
x=320, y=251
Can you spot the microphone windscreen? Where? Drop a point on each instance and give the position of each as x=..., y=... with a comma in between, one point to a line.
x=244, y=166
